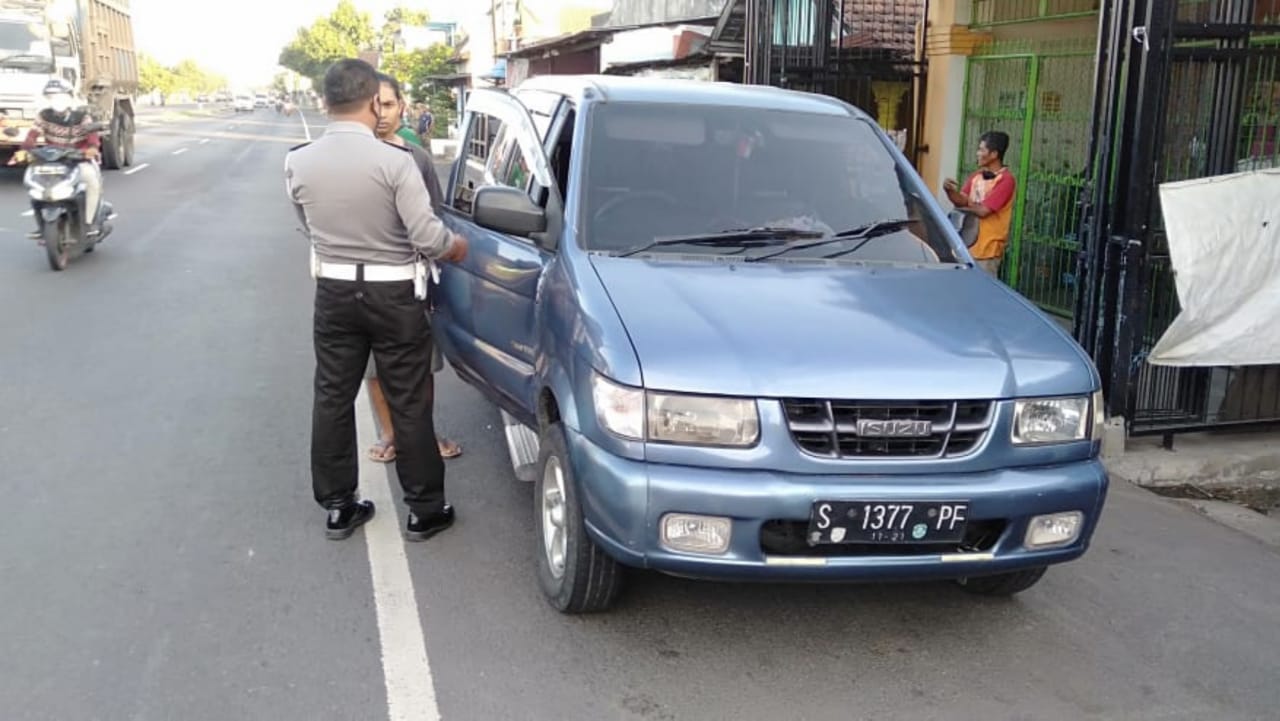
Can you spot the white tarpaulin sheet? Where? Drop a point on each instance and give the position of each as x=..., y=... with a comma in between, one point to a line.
x=1224, y=241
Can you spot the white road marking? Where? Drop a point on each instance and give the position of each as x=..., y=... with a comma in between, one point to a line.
x=204, y=141
x=28, y=213
x=137, y=168
x=411, y=693
x=305, y=128
x=179, y=151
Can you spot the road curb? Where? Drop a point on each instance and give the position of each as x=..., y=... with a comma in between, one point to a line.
x=1262, y=528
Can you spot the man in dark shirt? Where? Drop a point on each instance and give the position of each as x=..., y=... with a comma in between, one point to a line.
x=391, y=100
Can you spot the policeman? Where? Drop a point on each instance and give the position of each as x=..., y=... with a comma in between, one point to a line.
x=366, y=209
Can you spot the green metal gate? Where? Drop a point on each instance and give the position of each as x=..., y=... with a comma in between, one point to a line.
x=1041, y=94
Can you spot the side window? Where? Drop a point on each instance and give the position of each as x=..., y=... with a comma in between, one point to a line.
x=507, y=165
x=478, y=147
x=562, y=153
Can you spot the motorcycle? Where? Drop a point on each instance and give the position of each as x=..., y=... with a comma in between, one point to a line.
x=58, y=198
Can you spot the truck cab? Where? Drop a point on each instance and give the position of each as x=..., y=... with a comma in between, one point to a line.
x=38, y=43
x=733, y=336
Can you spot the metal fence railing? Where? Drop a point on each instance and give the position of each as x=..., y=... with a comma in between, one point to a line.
x=1190, y=89
x=1039, y=93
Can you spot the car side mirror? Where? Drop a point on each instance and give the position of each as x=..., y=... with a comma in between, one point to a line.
x=508, y=210
x=12, y=132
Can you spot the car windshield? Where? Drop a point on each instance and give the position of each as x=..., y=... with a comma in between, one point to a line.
x=657, y=171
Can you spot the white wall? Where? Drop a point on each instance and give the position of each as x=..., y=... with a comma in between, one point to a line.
x=636, y=46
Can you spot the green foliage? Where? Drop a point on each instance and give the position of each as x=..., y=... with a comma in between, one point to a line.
x=393, y=21
x=344, y=33
x=185, y=77
x=415, y=68
x=154, y=77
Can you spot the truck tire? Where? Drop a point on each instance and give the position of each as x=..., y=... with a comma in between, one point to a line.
x=1004, y=584
x=130, y=136
x=112, y=147
x=575, y=574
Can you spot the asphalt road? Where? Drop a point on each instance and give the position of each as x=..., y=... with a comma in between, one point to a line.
x=161, y=557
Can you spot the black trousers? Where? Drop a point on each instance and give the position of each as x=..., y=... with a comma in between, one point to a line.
x=353, y=318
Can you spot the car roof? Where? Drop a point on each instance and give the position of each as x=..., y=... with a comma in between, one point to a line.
x=619, y=88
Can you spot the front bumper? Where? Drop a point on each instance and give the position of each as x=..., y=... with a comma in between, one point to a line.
x=624, y=500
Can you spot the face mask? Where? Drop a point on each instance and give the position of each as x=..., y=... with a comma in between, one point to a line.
x=60, y=103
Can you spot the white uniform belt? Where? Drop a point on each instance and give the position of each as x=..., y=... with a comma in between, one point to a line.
x=372, y=273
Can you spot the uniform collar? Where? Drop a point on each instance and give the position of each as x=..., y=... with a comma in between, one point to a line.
x=348, y=126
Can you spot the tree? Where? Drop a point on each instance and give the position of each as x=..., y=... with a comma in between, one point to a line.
x=342, y=34
x=185, y=77
x=393, y=21
x=154, y=77
x=280, y=83
x=415, y=69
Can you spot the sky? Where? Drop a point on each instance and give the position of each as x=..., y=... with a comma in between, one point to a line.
x=240, y=39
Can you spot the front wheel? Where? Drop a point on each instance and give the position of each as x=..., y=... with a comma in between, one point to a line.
x=575, y=574
x=58, y=254
x=1003, y=584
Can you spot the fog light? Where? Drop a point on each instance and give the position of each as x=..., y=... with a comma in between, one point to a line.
x=1055, y=529
x=696, y=534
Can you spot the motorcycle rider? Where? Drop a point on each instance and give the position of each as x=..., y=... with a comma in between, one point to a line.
x=66, y=123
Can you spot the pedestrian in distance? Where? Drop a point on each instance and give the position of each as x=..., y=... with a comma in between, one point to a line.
x=366, y=209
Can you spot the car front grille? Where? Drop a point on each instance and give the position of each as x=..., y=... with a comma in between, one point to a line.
x=835, y=429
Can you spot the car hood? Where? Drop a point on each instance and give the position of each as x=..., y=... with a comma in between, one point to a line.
x=837, y=331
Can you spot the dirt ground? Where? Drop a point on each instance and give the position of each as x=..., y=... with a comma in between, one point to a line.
x=1264, y=499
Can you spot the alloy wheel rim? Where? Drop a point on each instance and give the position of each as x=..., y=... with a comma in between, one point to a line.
x=554, y=536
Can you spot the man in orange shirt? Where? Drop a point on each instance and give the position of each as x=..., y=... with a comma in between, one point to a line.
x=988, y=194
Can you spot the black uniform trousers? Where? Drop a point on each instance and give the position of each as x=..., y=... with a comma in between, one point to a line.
x=351, y=319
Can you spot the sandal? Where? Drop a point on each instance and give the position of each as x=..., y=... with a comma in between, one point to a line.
x=383, y=451
x=448, y=448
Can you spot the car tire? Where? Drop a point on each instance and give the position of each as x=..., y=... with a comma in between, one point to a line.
x=1004, y=584
x=575, y=574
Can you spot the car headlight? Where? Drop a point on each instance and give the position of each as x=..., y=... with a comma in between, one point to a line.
x=619, y=409
x=1050, y=420
x=702, y=420
x=637, y=415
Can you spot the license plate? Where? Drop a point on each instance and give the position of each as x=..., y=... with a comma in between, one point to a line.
x=887, y=522
x=49, y=170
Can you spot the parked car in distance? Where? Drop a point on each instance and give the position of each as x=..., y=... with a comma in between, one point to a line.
x=733, y=336
x=242, y=104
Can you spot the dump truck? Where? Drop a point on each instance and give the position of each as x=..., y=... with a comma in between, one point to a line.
x=88, y=43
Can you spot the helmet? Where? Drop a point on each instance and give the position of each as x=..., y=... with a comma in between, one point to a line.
x=59, y=94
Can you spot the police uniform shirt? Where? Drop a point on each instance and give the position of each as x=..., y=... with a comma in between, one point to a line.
x=363, y=200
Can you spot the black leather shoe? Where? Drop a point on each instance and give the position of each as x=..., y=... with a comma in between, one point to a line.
x=344, y=521
x=420, y=529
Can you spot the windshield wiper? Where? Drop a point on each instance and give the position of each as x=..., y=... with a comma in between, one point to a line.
x=865, y=233
x=737, y=238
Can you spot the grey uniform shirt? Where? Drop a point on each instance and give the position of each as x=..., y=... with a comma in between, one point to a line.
x=363, y=200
